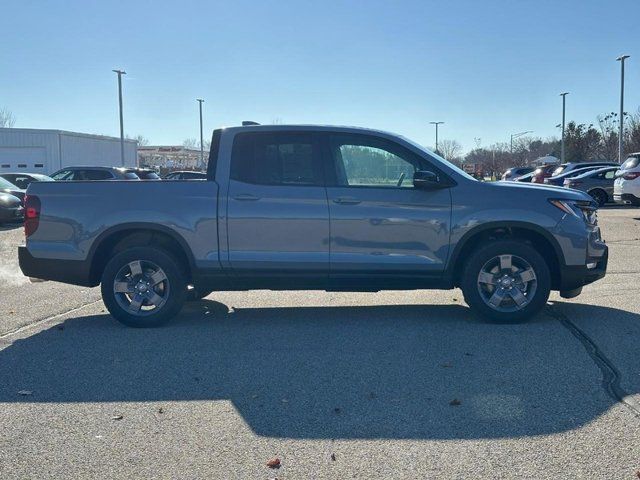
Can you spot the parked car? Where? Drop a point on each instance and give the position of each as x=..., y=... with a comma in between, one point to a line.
x=22, y=180
x=560, y=179
x=8, y=187
x=185, y=175
x=567, y=167
x=314, y=207
x=11, y=209
x=68, y=174
x=540, y=173
x=515, y=172
x=626, y=188
x=144, y=173
x=597, y=183
x=527, y=178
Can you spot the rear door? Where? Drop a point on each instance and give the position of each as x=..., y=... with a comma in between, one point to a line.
x=277, y=212
x=381, y=225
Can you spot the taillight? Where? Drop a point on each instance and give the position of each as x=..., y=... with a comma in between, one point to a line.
x=631, y=175
x=31, y=214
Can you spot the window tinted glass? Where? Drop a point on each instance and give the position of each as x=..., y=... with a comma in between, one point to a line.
x=94, y=175
x=131, y=176
x=275, y=159
x=62, y=175
x=370, y=161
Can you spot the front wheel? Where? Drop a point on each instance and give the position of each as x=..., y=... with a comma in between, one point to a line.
x=143, y=287
x=506, y=281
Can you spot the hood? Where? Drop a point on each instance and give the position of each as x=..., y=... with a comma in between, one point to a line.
x=9, y=201
x=549, y=191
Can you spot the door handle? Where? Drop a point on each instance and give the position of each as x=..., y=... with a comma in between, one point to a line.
x=245, y=197
x=347, y=201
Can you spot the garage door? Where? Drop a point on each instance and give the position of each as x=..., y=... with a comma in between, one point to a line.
x=23, y=159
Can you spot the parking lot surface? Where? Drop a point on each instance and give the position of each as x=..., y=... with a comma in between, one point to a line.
x=376, y=385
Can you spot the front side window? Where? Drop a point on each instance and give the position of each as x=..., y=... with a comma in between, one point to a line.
x=63, y=175
x=275, y=159
x=372, y=162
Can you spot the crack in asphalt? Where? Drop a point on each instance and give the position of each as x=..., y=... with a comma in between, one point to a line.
x=43, y=320
x=610, y=374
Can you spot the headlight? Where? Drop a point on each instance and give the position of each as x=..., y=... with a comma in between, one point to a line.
x=585, y=210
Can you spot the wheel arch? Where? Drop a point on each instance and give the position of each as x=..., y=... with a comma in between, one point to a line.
x=537, y=236
x=123, y=236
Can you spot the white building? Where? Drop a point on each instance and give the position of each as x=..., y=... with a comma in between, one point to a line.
x=46, y=151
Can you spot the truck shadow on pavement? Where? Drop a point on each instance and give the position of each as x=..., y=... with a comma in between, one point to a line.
x=397, y=372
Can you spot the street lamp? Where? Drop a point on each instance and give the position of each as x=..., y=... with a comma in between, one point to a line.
x=120, y=73
x=563, y=95
x=621, y=59
x=200, y=102
x=517, y=135
x=436, y=124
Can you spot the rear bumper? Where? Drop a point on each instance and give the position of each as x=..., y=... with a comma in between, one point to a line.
x=66, y=271
x=626, y=198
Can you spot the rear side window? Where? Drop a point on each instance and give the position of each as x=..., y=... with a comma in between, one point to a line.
x=631, y=162
x=63, y=175
x=94, y=175
x=275, y=159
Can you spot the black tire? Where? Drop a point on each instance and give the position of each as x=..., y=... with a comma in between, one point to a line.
x=197, y=294
x=173, y=287
x=475, y=296
x=600, y=196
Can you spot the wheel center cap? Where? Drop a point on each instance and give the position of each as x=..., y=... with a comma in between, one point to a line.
x=142, y=287
x=506, y=282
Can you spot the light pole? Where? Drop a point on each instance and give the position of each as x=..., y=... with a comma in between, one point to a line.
x=200, y=102
x=621, y=59
x=563, y=95
x=517, y=135
x=120, y=73
x=436, y=124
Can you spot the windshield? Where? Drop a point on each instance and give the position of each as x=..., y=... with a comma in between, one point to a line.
x=7, y=184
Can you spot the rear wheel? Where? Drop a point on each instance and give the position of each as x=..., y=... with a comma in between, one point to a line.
x=143, y=287
x=506, y=281
x=600, y=196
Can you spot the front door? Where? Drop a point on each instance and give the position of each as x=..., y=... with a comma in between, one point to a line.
x=278, y=217
x=381, y=225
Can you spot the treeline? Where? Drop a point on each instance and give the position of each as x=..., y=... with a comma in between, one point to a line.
x=583, y=143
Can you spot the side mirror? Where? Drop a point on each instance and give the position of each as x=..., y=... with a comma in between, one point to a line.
x=425, y=179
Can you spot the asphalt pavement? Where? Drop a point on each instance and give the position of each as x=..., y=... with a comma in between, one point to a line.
x=336, y=385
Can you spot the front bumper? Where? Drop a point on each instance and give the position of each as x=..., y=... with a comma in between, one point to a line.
x=67, y=271
x=576, y=276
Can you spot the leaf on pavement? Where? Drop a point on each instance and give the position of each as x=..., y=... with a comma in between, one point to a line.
x=273, y=463
x=455, y=402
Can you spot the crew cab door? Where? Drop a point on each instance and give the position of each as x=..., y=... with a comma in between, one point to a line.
x=277, y=214
x=381, y=225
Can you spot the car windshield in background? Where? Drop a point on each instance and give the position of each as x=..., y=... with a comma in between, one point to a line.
x=558, y=171
x=631, y=162
x=131, y=176
x=149, y=176
x=6, y=184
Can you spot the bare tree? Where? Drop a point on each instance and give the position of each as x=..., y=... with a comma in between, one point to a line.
x=141, y=139
x=191, y=143
x=450, y=149
x=7, y=120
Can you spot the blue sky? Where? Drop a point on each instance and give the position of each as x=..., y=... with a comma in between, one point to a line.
x=486, y=68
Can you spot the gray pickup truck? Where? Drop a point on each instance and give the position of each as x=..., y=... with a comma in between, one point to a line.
x=313, y=207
